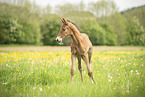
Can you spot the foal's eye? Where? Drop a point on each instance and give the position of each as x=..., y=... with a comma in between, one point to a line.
x=64, y=29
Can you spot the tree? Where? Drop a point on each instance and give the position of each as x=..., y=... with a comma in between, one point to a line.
x=62, y=10
x=19, y=25
x=138, y=12
x=94, y=31
x=136, y=32
x=47, y=9
x=103, y=8
x=111, y=37
x=10, y=30
x=50, y=27
x=119, y=25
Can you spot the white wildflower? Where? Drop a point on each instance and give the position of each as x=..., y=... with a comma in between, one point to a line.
x=127, y=91
x=5, y=83
x=109, y=80
x=108, y=75
x=40, y=89
x=136, y=71
x=34, y=87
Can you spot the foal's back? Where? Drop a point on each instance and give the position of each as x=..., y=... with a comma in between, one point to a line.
x=86, y=41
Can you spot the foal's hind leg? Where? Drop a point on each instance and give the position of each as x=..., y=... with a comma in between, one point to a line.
x=90, y=73
x=90, y=61
x=80, y=68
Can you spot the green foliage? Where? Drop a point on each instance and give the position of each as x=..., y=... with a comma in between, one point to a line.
x=136, y=32
x=97, y=34
x=18, y=25
x=103, y=8
x=111, y=37
x=23, y=22
x=50, y=28
x=138, y=12
x=118, y=25
x=31, y=32
x=68, y=7
x=135, y=25
x=10, y=31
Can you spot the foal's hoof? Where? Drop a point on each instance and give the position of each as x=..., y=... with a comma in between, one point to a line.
x=71, y=82
x=90, y=74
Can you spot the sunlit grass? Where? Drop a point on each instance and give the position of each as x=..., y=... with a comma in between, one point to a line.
x=47, y=74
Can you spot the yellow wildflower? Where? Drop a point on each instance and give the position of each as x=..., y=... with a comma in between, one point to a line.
x=136, y=90
x=57, y=77
x=122, y=66
x=114, y=88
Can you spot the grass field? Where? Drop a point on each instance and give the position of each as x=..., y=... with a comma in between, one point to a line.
x=118, y=73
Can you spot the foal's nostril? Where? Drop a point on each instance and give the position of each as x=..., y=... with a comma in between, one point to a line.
x=57, y=40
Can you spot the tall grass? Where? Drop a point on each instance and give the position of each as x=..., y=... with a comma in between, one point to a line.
x=47, y=74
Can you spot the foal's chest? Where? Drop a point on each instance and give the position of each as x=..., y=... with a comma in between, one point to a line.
x=76, y=51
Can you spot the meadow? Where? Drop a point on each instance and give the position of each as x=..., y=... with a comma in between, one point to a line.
x=118, y=73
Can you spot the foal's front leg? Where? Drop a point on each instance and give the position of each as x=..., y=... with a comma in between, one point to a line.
x=80, y=68
x=73, y=58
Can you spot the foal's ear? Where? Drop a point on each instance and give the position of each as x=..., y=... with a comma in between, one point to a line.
x=62, y=20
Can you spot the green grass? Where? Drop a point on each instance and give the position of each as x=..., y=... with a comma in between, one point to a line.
x=47, y=74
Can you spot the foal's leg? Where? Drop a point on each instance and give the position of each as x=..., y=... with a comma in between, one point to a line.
x=90, y=55
x=80, y=68
x=90, y=73
x=90, y=61
x=73, y=58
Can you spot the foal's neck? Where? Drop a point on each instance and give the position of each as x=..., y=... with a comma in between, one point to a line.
x=75, y=35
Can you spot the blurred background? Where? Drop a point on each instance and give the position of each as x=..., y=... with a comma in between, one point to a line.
x=107, y=22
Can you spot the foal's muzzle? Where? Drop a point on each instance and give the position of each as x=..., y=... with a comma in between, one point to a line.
x=59, y=40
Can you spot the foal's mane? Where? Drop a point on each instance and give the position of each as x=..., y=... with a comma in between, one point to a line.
x=74, y=24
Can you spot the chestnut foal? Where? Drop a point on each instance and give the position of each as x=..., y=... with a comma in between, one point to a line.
x=81, y=47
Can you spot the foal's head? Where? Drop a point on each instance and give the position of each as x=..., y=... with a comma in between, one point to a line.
x=64, y=31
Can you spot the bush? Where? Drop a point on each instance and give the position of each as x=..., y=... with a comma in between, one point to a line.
x=136, y=32
x=50, y=28
x=99, y=35
x=10, y=30
x=31, y=33
x=111, y=37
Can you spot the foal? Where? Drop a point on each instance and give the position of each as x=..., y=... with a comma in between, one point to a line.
x=80, y=46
